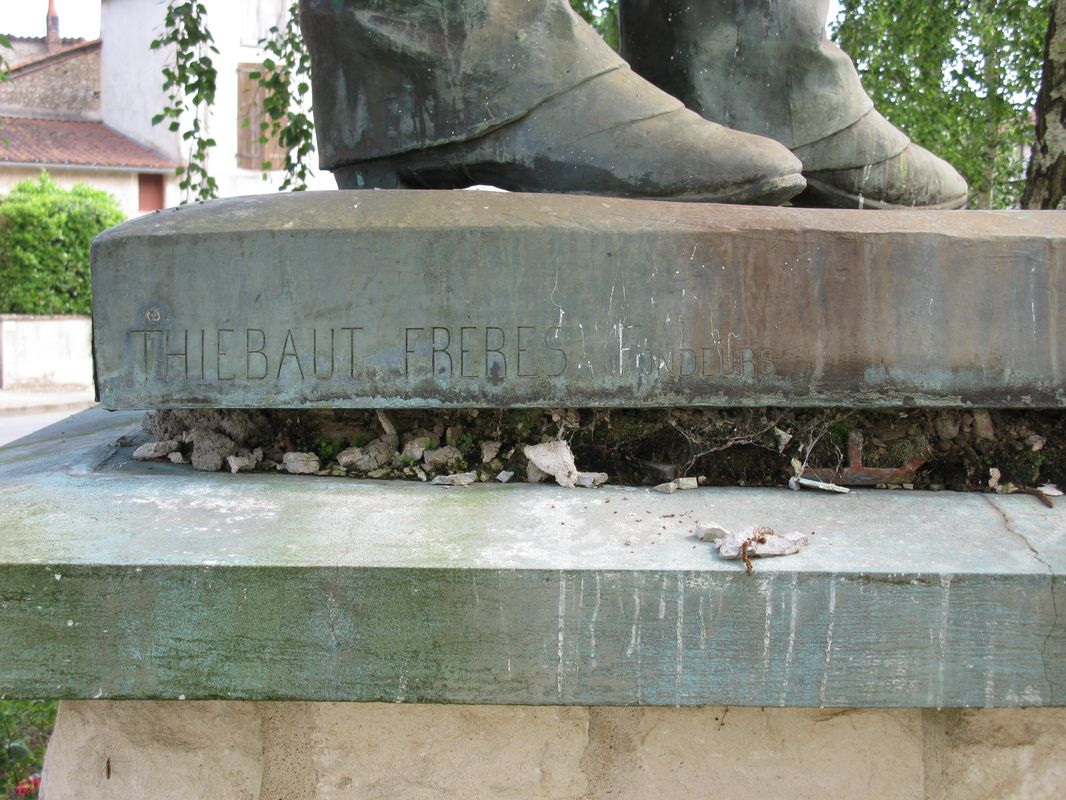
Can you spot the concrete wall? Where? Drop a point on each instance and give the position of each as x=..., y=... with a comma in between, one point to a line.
x=336, y=751
x=69, y=88
x=44, y=352
x=132, y=84
x=120, y=185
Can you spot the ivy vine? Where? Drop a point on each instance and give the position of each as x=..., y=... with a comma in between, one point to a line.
x=190, y=86
x=285, y=83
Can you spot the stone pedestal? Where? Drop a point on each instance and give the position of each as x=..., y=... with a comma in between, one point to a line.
x=459, y=299
x=518, y=641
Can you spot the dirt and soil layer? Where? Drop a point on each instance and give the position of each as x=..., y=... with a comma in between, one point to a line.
x=954, y=449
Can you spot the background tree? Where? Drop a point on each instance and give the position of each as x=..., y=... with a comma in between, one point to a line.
x=601, y=15
x=959, y=77
x=1046, y=183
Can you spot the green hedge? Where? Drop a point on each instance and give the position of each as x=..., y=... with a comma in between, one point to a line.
x=45, y=233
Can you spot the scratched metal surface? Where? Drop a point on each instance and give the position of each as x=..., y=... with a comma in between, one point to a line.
x=429, y=299
x=129, y=580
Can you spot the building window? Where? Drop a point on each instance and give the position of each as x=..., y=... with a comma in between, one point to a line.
x=150, y=192
x=251, y=152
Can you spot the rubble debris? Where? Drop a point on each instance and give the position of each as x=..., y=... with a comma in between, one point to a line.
x=783, y=439
x=687, y=483
x=553, y=459
x=386, y=423
x=455, y=479
x=796, y=483
x=152, y=450
x=504, y=475
x=210, y=448
x=982, y=424
x=758, y=541
x=489, y=451
x=644, y=447
x=177, y=458
x=709, y=531
x=245, y=462
x=442, y=457
x=300, y=463
x=590, y=480
x=666, y=488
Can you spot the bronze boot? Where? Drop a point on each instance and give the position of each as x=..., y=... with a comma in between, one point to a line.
x=521, y=95
x=766, y=67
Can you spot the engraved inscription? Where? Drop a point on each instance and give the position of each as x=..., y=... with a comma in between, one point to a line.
x=494, y=353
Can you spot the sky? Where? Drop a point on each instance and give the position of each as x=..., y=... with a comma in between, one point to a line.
x=26, y=17
x=82, y=17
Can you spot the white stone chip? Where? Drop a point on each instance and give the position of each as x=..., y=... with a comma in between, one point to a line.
x=590, y=480
x=687, y=483
x=709, y=531
x=554, y=459
x=241, y=463
x=386, y=423
x=666, y=488
x=458, y=479
x=762, y=542
x=489, y=451
x=796, y=483
x=151, y=450
x=534, y=475
x=415, y=448
x=300, y=463
x=504, y=476
x=441, y=457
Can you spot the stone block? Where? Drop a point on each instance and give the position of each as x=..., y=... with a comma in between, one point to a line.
x=134, y=579
x=991, y=754
x=345, y=751
x=162, y=751
x=405, y=299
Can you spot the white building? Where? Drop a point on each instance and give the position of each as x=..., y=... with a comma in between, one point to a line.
x=132, y=88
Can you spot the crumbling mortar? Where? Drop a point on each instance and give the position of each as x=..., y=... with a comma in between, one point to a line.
x=1054, y=601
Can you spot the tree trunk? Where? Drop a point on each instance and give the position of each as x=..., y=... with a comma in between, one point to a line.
x=1046, y=178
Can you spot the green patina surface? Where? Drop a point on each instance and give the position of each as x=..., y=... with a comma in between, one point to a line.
x=457, y=299
x=122, y=579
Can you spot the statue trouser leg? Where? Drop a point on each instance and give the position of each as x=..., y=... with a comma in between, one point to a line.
x=521, y=95
x=766, y=67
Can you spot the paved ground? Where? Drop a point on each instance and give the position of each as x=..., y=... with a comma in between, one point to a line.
x=23, y=412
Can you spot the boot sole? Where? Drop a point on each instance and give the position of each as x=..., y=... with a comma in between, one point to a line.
x=767, y=192
x=823, y=194
x=393, y=174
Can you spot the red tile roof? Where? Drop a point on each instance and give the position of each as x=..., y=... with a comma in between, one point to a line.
x=64, y=142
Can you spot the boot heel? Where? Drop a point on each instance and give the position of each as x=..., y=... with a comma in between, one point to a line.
x=377, y=174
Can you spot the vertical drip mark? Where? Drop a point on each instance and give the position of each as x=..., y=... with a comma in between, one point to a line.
x=633, y=631
x=703, y=625
x=680, y=639
x=828, y=639
x=559, y=641
x=791, y=651
x=942, y=640
x=767, y=629
x=592, y=626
